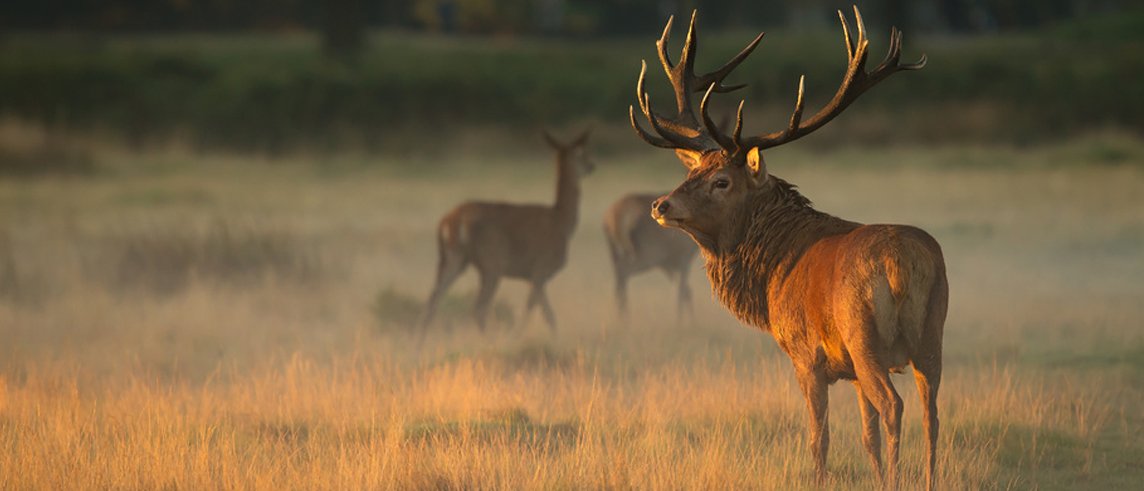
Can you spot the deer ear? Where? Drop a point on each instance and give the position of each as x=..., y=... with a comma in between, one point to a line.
x=690, y=158
x=551, y=140
x=583, y=138
x=756, y=167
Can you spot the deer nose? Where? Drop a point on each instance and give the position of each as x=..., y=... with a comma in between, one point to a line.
x=661, y=206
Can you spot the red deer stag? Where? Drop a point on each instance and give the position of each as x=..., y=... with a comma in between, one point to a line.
x=637, y=243
x=844, y=300
x=529, y=242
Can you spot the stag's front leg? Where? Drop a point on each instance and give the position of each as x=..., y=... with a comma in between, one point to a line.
x=814, y=388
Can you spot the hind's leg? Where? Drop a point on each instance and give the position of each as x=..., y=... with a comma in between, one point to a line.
x=484, y=298
x=450, y=265
x=622, y=293
x=532, y=303
x=538, y=297
x=620, y=269
x=684, y=308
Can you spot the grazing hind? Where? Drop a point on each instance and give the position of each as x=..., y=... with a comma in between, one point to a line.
x=845, y=301
x=637, y=243
x=528, y=242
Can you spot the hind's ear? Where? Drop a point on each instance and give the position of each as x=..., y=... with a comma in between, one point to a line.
x=551, y=140
x=583, y=138
x=756, y=167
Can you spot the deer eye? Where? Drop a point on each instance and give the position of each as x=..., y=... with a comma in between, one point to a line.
x=722, y=183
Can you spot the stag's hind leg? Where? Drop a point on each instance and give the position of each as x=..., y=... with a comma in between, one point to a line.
x=871, y=434
x=928, y=378
x=927, y=371
x=875, y=382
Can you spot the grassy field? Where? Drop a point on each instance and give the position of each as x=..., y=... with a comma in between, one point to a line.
x=180, y=321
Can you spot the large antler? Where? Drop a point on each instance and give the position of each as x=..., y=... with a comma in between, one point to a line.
x=854, y=83
x=684, y=131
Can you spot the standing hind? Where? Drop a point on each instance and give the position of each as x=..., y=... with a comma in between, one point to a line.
x=636, y=244
x=528, y=242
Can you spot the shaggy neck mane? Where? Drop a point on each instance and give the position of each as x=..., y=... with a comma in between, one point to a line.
x=772, y=239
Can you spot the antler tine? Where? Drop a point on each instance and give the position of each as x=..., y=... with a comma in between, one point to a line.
x=640, y=88
x=682, y=75
x=728, y=144
x=796, y=116
x=846, y=36
x=675, y=137
x=861, y=47
x=645, y=107
x=739, y=124
x=690, y=45
x=643, y=134
x=718, y=75
x=686, y=130
x=674, y=131
x=894, y=53
x=662, y=46
x=855, y=82
x=861, y=27
x=918, y=65
x=894, y=56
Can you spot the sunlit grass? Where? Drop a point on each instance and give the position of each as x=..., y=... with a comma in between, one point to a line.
x=310, y=381
x=363, y=422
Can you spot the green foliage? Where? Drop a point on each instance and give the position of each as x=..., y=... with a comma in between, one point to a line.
x=271, y=94
x=476, y=16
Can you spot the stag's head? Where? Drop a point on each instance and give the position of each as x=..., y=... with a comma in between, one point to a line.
x=727, y=171
x=574, y=153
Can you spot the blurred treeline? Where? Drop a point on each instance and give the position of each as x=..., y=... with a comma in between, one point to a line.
x=273, y=76
x=584, y=17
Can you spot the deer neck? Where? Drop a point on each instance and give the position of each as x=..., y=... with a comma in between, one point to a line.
x=567, y=208
x=762, y=250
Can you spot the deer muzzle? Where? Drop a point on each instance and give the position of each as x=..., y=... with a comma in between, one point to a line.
x=667, y=212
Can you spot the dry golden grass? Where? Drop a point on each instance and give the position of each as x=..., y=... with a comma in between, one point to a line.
x=294, y=375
